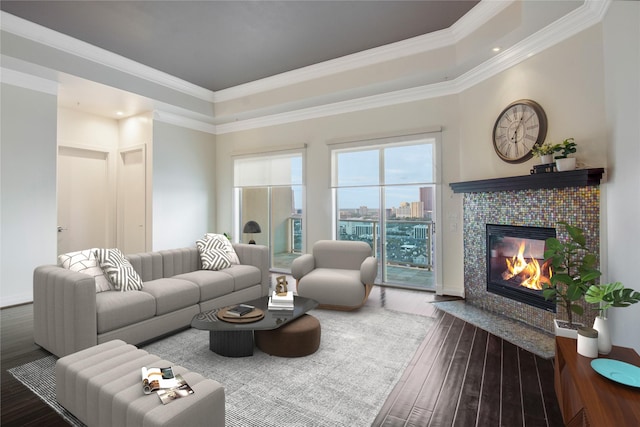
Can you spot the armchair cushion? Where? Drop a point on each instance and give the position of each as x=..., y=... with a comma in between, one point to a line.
x=302, y=266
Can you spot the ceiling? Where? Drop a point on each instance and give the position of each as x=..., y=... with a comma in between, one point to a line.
x=221, y=44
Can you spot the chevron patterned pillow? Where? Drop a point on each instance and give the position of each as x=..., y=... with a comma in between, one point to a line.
x=213, y=254
x=233, y=256
x=118, y=270
x=85, y=262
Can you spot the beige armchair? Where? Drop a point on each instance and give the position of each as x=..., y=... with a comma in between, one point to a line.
x=339, y=274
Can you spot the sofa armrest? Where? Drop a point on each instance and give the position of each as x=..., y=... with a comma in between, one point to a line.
x=258, y=256
x=369, y=270
x=302, y=266
x=64, y=310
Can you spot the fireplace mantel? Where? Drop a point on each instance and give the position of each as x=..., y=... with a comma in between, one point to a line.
x=576, y=178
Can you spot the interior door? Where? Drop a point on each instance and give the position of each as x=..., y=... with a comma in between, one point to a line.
x=83, y=199
x=132, y=201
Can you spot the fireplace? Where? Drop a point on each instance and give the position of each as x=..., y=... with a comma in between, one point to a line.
x=515, y=263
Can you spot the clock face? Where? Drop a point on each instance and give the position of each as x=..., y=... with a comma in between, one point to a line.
x=519, y=127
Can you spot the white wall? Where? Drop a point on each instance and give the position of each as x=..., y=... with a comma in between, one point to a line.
x=566, y=80
x=28, y=235
x=80, y=129
x=183, y=186
x=622, y=102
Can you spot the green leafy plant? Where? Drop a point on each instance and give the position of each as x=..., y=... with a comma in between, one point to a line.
x=573, y=271
x=611, y=295
x=566, y=147
x=545, y=149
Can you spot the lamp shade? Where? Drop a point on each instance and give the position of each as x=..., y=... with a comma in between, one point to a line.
x=251, y=227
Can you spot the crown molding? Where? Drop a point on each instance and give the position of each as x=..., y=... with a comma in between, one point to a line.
x=587, y=15
x=343, y=107
x=45, y=36
x=479, y=15
x=28, y=81
x=185, y=122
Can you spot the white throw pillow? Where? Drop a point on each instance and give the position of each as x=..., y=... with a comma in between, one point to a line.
x=213, y=254
x=118, y=270
x=85, y=262
x=233, y=256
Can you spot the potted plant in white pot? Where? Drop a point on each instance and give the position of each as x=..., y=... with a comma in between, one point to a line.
x=545, y=152
x=574, y=270
x=607, y=296
x=563, y=161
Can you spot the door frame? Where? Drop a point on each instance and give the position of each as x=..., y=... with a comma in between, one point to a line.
x=110, y=226
x=119, y=205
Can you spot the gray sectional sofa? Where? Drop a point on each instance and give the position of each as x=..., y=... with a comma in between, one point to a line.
x=69, y=315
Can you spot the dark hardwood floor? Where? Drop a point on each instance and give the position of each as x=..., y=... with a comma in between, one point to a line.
x=463, y=376
x=460, y=375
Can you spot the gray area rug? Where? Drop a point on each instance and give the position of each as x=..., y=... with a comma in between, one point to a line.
x=361, y=357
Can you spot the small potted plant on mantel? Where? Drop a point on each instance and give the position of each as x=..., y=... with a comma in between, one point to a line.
x=573, y=271
x=607, y=296
x=545, y=152
x=563, y=161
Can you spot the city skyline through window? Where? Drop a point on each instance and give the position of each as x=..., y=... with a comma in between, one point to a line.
x=385, y=196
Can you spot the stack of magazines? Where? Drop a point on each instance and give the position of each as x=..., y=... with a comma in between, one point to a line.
x=281, y=302
x=168, y=386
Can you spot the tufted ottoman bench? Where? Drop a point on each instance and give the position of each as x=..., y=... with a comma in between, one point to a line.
x=298, y=338
x=102, y=386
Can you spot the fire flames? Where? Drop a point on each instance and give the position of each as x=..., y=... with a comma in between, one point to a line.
x=529, y=272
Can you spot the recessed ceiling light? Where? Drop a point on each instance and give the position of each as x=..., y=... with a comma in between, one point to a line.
x=119, y=113
x=496, y=49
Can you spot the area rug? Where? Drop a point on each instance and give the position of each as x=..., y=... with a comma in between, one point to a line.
x=362, y=355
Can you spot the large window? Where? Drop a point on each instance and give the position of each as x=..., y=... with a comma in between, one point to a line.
x=269, y=190
x=385, y=195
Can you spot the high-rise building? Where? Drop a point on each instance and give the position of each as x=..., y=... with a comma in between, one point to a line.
x=426, y=197
x=417, y=210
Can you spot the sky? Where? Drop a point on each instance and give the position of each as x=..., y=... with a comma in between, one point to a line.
x=405, y=168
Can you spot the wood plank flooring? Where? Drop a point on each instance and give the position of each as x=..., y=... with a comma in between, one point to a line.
x=463, y=376
x=459, y=376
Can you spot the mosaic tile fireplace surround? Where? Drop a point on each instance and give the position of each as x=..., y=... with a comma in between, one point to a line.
x=579, y=206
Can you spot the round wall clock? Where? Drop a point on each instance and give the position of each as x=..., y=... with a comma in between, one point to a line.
x=518, y=128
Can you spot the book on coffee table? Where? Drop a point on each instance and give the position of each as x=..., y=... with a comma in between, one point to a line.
x=240, y=310
x=281, y=302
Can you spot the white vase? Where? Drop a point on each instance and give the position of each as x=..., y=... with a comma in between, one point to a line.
x=601, y=324
x=567, y=164
x=545, y=159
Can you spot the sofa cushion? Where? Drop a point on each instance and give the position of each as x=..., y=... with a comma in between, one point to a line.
x=117, y=309
x=85, y=262
x=172, y=294
x=244, y=276
x=212, y=284
x=118, y=270
x=228, y=246
x=213, y=254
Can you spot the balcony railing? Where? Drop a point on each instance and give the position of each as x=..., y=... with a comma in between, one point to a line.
x=408, y=243
x=409, y=248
